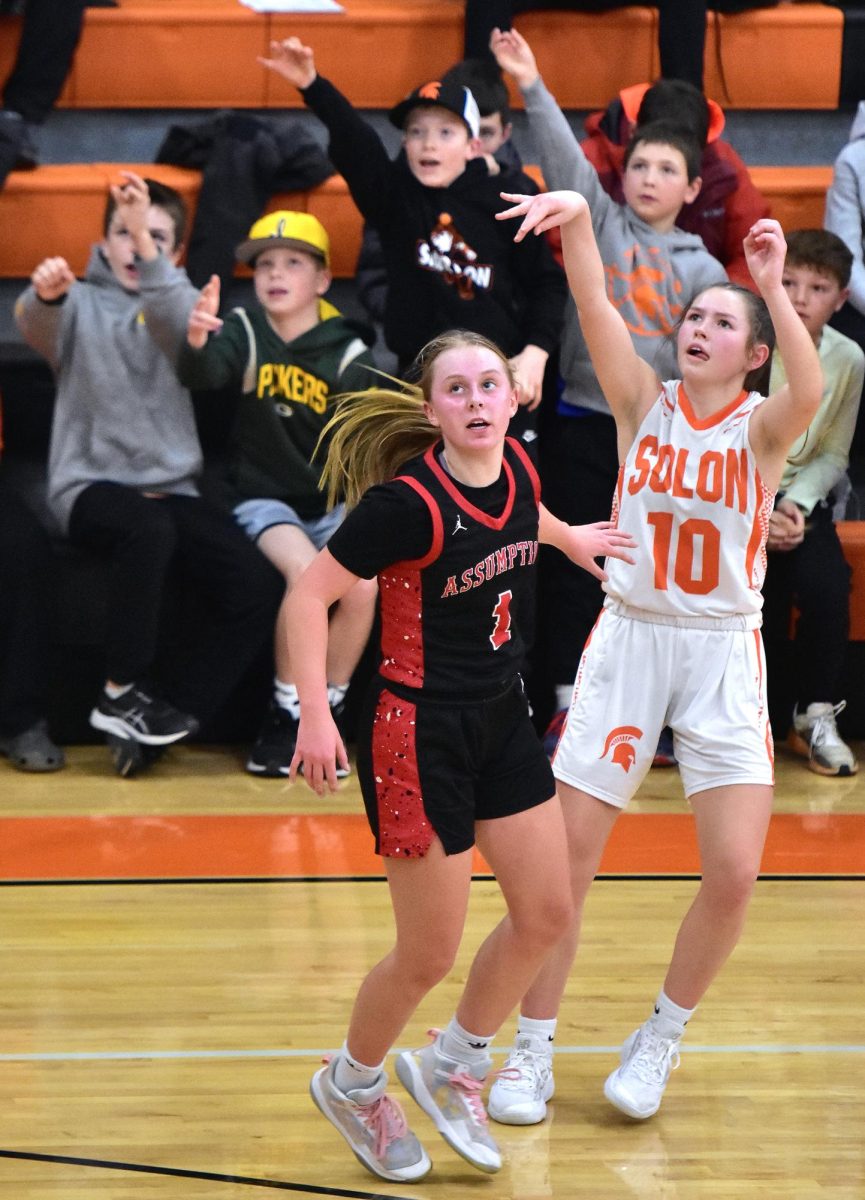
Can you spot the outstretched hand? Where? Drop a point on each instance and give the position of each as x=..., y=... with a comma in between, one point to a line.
x=293, y=60
x=584, y=543
x=514, y=55
x=52, y=279
x=203, y=319
x=540, y=213
x=765, y=252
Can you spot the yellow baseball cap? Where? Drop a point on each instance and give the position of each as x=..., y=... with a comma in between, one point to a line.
x=299, y=230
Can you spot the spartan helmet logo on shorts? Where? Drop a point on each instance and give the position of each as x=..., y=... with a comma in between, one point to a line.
x=621, y=742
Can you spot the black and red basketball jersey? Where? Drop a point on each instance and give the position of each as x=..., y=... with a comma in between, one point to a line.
x=451, y=619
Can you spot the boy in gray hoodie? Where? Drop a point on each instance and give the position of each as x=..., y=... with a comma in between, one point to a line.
x=653, y=269
x=123, y=467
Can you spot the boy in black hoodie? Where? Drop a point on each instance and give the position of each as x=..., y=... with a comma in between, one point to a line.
x=290, y=356
x=449, y=262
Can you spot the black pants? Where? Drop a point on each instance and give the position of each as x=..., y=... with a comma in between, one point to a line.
x=49, y=38
x=24, y=621
x=579, y=466
x=681, y=27
x=183, y=540
x=816, y=578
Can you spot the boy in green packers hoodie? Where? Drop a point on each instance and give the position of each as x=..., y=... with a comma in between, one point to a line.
x=290, y=357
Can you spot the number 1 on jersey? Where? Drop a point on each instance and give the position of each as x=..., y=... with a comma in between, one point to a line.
x=502, y=615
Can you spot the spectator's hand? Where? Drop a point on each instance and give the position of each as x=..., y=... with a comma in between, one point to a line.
x=585, y=543
x=291, y=59
x=514, y=55
x=203, y=319
x=133, y=201
x=786, y=527
x=52, y=279
x=765, y=251
x=318, y=751
x=528, y=368
x=540, y=213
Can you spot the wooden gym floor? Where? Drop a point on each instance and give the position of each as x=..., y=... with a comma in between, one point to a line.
x=179, y=950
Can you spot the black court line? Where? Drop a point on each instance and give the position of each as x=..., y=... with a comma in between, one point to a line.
x=632, y=877
x=308, y=1189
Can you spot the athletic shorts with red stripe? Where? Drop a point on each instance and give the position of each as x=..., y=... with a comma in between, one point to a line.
x=432, y=768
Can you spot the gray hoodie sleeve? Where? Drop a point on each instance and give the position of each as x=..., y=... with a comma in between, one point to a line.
x=167, y=299
x=845, y=208
x=43, y=325
x=562, y=160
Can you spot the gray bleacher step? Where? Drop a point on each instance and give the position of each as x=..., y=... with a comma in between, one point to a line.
x=124, y=135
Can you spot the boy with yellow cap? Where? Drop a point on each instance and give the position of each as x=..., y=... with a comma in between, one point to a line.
x=289, y=356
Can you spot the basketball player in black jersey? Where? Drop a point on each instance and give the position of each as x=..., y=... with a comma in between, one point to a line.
x=447, y=752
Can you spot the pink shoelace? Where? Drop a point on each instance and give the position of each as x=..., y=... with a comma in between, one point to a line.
x=384, y=1118
x=469, y=1087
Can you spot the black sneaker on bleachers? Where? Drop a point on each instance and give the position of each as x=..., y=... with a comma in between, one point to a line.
x=143, y=717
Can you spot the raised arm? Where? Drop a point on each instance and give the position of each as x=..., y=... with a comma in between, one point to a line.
x=788, y=412
x=354, y=148
x=628, y=383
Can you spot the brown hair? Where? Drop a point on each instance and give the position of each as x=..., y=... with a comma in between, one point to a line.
x=161, y=196
x=822, y=251
x=372, y=433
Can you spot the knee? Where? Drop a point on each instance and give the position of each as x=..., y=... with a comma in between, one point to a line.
x=424, y=967
x=730, y=887
x=547, y=920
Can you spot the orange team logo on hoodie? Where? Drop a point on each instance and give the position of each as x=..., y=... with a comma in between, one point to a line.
x=621, y=741
x=430, y=91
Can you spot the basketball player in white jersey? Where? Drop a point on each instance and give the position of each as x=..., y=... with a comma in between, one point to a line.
x=678, y=640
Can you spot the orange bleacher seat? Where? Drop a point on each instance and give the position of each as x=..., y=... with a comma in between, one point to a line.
x=201, y=53
x=797, y=194
x=58, y=209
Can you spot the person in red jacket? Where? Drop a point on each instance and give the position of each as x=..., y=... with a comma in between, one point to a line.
x=728, y=203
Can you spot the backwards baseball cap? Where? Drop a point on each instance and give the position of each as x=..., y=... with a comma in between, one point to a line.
x=296, y=230
x=440, y=94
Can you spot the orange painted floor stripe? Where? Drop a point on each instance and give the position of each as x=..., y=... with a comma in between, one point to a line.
x=48, y=848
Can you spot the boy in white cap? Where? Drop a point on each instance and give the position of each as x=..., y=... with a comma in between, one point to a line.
x=289, y=356
x=448, y=262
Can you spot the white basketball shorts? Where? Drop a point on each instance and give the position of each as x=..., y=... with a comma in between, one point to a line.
x=703, y=677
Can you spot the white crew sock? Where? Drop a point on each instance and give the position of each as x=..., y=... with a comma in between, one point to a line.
x=544, y=1031
x=465, y=1047
x=285, y=695
x=669, y=1018
x=349, y=1073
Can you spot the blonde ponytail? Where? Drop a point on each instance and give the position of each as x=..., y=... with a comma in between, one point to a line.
x=372, y=433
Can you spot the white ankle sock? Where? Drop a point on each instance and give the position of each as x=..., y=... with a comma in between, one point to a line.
x=465, y=1047
x=349, y=1073
x=115, y=690
x=285, y=695
x=544, y=1031
x=669, y=1018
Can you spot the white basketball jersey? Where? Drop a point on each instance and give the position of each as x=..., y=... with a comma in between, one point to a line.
x=690, y=493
